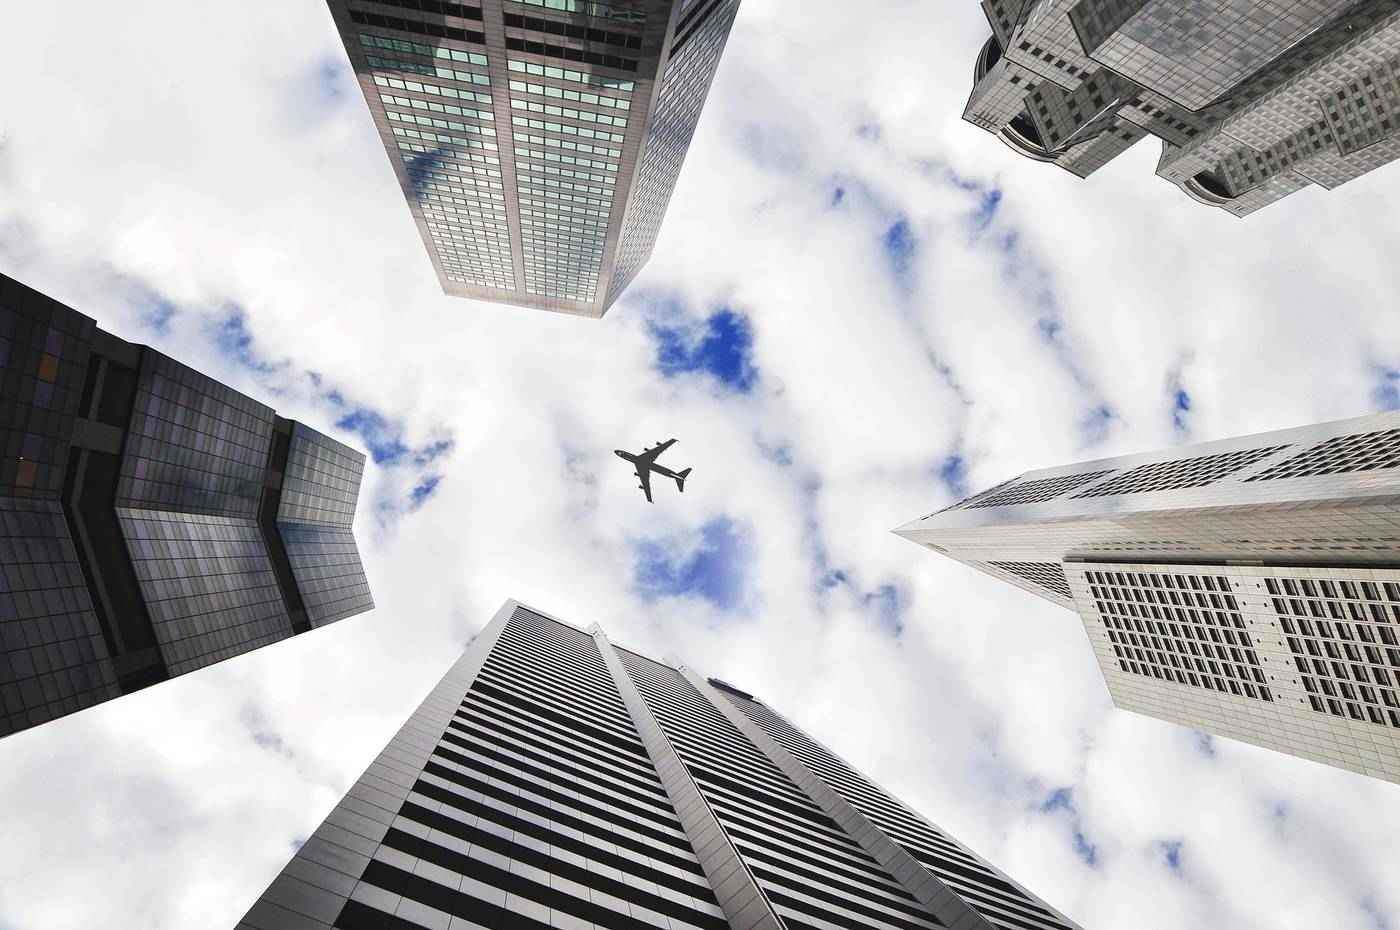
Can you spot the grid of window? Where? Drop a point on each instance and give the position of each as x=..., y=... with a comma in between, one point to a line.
x=329, y=575
x=44, y=349
x=1345, y=640
x=1182, y=473
x=457, y=190
x=194, y=444
x=1034, y=492
x=979, y=885
x=541, y=790
x=320, y=486
x=208, y=585
x=1047, y=575
x=53, y=658
x=1185, y=628
x=811, y=871
x=1360, y=452
x=684, y=87
x=322, y=480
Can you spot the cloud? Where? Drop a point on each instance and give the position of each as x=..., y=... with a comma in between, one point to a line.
x=824, y=387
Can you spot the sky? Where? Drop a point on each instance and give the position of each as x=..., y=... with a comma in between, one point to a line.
x=859, y=309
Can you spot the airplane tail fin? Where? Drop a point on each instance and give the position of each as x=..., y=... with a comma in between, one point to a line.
x=680, y=479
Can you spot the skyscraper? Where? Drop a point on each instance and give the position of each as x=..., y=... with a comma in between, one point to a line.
x=537, y=141
x=553, y=779
x=1249, y=587
x=1252, y=100
x=152, y=520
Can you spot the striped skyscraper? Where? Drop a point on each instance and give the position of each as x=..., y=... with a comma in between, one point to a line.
x=554, y=780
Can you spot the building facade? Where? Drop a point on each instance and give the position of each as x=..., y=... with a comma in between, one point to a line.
x=1249, y=588
x=555, y=780
x=152, y=520
x=537, y=141
x=1252, y=100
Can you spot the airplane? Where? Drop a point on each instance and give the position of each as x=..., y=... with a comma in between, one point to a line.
x=645, y=463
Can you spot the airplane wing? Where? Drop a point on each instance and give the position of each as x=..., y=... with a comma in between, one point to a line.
x=650, y=455
x=645, y=475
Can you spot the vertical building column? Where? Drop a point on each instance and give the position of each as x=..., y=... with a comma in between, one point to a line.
x=743, y=902
x=310, y=892
x=926, y=888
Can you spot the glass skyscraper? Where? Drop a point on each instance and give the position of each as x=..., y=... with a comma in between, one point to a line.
x=537, y=141
x=1248, y=587
x=152, y=520
x=555, y=780
x=1253, y=100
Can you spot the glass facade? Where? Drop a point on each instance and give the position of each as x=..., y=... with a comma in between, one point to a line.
x=44, y=348
x=519, y=167
x=144, y=530
x=317, y=507
x=554, y=780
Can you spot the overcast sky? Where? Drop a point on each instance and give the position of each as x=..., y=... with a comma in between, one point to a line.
x=859, y=308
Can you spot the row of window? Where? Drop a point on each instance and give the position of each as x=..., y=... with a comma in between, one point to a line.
x=564, y=159
x=573, y=31
x=565, y=172
x=432, y=106
x=562, y=93
x=591, y=8
x=413, y=25
x=586, y=116
x=435, y=90
x=584, y=147
x=448, y=74
x=568, y=130
x=523, y=176
x=414, y=48
x=437, y=137
x=561, y=195
x=568, y=74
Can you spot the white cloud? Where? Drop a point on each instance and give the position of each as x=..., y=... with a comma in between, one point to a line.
x=227, y=167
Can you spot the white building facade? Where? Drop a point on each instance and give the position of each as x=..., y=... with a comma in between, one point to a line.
x=1249, y=587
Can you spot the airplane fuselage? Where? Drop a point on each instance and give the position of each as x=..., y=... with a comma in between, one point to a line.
x=652, y=466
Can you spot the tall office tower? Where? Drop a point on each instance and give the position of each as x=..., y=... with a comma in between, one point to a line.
x=1249, y=588
x=555, y=780
x=152, y=520
x=537, y=141
x=1252, y=99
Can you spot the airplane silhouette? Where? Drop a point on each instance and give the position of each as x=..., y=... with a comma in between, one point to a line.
x=645, y=463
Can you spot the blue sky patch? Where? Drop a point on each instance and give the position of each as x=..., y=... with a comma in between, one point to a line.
x=383, y=439
x=714, y=570
x=423, y=490
x=1170, y=851
x=723, y=350
x=235, y=341
x=1095, y=425
x=901, y=245
x=952, y=471
x=1386, y=395
x=1061, y=800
